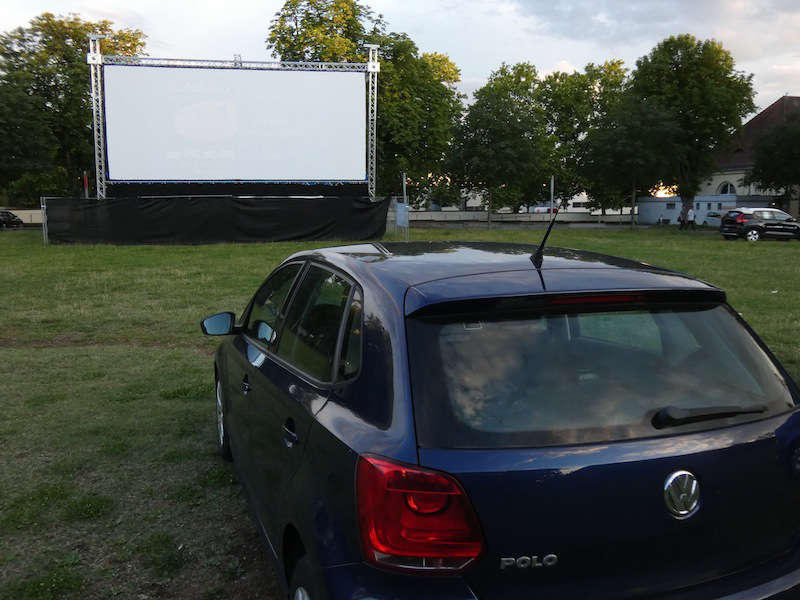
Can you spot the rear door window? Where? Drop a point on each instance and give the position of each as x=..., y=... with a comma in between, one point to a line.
x=494, y=380
x=311, y=332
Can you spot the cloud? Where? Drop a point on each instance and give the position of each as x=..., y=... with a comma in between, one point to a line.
x=479, y=34
x=562, y=65
x=761, y=36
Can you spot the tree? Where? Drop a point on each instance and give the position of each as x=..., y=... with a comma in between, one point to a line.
x=322, y=30
x=417, y=116
x=444, y=69
x=696, y=83
x=46, y=62
x=503, y=141
x=623, y=150
x=27, y=145
x=418, y=105
x=777, y=160
x=572, y=104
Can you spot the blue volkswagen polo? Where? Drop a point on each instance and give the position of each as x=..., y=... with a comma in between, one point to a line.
x=459, y=421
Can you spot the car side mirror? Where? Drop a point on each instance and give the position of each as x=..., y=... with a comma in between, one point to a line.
x=219, y=324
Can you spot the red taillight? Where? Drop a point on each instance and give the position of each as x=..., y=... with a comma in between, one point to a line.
x=414, y=518
x=741, y=218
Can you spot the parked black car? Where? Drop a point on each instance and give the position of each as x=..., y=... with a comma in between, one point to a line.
x=445, y=421
x=756, y=223
x=9, y=220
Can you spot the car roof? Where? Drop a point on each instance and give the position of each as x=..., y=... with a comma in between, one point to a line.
x=750, y=209
x=432, y=272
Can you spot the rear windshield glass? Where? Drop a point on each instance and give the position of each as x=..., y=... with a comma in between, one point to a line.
x=487, y=380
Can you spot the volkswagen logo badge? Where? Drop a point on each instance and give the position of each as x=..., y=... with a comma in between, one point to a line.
x=682, y=494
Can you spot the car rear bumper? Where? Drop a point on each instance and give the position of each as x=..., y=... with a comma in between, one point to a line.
x=787, y=586
x=730, y=230
x=363, y=582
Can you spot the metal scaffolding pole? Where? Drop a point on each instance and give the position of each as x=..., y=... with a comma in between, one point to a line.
x=45, y=234
x=95, y=61
x=373, y=68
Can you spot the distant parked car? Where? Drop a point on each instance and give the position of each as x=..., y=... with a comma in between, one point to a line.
x=754, y=224
x=446, y=421
x=712, y=219
x=9, y=220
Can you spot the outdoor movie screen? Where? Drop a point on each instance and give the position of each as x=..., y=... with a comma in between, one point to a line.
x=207, y=124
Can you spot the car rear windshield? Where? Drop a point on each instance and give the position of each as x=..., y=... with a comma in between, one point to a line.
x=587, y=374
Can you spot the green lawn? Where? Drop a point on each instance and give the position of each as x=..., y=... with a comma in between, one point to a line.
x=109, y=484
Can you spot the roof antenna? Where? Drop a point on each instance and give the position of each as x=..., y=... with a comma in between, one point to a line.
x=538, y=256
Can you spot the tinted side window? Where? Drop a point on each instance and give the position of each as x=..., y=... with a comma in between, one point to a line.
x=308, y=340
x=268, y=304
x=350, y=354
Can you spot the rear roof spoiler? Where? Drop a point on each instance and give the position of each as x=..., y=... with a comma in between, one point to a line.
x=564, y=301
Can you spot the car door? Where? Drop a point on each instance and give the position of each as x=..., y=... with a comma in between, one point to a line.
x=784, y=224
x=292, y=384
x=259, y=332
x=771, y=226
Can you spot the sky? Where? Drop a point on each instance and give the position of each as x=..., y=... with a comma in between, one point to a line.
x=479, y=35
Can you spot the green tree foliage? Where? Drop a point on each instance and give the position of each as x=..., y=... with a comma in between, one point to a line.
x=45, y=108
x=418, y=105
x=417, y=116
x=503, y=144
x=777, y=160
x=444, y=69
x=27, y=144
x=573, y=103
x=696, y=83
x=322, y=30
x=622, y=152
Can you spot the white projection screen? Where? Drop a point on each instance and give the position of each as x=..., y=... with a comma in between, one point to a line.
x=207, y=124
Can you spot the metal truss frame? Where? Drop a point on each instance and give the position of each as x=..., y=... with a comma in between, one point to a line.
x=96, y=60
x=373, y=68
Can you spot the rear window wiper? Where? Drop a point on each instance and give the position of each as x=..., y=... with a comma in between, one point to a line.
x=670, y=416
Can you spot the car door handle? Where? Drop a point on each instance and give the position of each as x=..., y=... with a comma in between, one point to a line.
x=289, y=436
x=245, y=385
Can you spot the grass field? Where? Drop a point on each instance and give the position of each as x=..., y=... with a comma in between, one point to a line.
x=109, y=484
